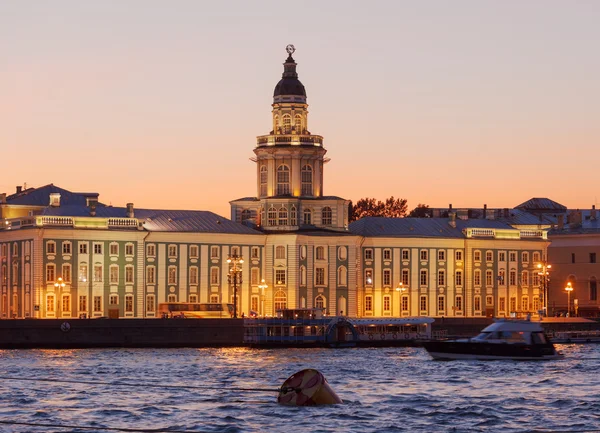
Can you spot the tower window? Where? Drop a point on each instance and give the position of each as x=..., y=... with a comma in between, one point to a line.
x=263, y=181
x=307, y=176
x=287, y=124
x=283, y=217
x=307, y=216
x=272, y=217
x=283, y=180
x=326, y=218
x=298, y=124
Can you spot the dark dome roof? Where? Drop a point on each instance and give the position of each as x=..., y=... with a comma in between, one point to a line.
x=289, y=86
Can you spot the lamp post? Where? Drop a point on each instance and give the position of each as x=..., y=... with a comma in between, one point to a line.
x=569, y=289
x=400, y=289
x=544, y=272
x=59, y=283
x=262, y=286
x=235, y=277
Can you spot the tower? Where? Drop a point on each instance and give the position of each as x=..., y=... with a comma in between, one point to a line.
x=289, y=168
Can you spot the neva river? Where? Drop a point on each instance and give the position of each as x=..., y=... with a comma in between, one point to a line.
x=384, y=390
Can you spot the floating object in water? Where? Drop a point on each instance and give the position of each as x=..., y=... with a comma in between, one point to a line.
x=307, y=388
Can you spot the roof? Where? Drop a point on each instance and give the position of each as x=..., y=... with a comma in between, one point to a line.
x=305, y=198
x=542, y=205
x=419, y=227
x=158, y=220
x=41, y=196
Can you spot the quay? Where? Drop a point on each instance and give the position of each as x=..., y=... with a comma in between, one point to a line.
x=259, y=332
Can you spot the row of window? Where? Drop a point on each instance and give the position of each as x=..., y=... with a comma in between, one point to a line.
x=458, y=255
x=98, y=276
x=526, y=305
x=98, y=248
x=284, y=217
x=83, y=306
x=283, y=180
x=592, y=258
x=15, y=249
x=15, y=273
x=215, y=251
x=458, y=277
x=286, y=124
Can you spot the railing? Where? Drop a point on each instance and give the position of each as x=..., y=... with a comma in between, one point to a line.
x=122, y=222
x=533, y=234
x=54, y=221
x=289, y=139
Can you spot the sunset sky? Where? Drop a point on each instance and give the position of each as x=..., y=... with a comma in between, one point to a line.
x=159, y=102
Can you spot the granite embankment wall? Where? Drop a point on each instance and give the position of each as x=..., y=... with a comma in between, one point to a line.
x=454, y=327
x=82, y=333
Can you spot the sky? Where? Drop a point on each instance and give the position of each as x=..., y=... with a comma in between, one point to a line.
x=159, y=103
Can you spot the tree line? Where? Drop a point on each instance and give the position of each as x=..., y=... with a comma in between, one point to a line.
x=390, y=208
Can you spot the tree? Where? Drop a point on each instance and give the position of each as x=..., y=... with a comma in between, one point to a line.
x=421, y=211
x=366, y=207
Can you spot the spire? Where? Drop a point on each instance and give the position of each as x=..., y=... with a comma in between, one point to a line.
x=289, y=67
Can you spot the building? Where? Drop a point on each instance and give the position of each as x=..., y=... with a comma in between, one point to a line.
x=65, y=254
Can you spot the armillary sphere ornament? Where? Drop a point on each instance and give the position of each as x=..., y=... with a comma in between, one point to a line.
x=290, y=49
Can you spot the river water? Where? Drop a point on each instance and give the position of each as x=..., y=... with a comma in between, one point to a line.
x=384, y=390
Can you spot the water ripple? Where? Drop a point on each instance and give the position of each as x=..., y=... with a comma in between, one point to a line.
x=384, y=390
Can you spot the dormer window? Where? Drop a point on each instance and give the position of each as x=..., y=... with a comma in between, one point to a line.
x=55, y=199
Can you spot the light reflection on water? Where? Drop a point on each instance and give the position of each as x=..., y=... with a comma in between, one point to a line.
x=385, y=390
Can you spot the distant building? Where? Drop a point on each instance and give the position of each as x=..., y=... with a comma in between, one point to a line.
x=126, y=261
x=573, y=255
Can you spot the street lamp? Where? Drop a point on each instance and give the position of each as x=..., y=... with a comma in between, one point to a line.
x=235, y=277
x=543, y=272
x=569, y=289
x=262, y=286
x=59, y=283
x=400, y=289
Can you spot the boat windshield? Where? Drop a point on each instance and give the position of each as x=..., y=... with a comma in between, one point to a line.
x=512, y=337
x=507, y=336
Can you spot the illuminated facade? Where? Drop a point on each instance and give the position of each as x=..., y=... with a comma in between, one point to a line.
x=123, y=262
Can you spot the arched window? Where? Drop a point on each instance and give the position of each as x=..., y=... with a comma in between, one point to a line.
x=280, y=300
x=287, y=124
x=441, y=277
x=298, y=124
x=280, y=252
x=320, y=253
x=307, y=216
x=342, y=253
x=283, y=216
x=263, y=180
x=489, y=278
x=293, y=216
x=459, y=280
x=326, y=216
x=342, y=276
x=477, y=277
x=272, y=217
x=302, y=276
x=320, y=302
x=307, y=180
x=283, y=180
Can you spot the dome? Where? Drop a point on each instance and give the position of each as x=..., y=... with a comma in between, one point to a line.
x=289, y=83
x=289, y=86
